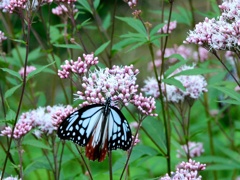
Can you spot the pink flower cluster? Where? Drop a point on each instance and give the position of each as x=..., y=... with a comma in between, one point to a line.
x=186, y=171
x=28, y=70
x=64, y=9
x=172, y=26
x=13, y=5
x=43, y=120
x=195, y=149
x=184, y=51
x=194, y=86
x=222, y=33
x=117, y=83
x=144, y=104
x=2, y=37
x=79, y=67
x=131, y=3
x=11, y=178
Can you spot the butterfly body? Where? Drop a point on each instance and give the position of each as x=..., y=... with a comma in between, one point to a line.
x=99, y=127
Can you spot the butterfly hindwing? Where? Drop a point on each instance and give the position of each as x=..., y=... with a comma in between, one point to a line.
x=79, y=125
x=119, y=135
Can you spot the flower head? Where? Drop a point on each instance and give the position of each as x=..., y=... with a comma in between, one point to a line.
x=172, y=26
x=2, y=37
x=28, y=70
x=194, y=86
x=131, y=3
x=117, y=83
x=79, y=67
x=222, y=33
x=42, y=119
x=195, y=149
x=186, y=170
x=64, y=9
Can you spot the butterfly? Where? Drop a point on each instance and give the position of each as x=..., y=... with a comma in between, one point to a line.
x=99, y=127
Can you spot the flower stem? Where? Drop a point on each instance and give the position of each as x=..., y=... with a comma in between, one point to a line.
x=29, y=24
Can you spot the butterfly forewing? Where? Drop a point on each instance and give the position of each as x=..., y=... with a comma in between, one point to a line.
x=79, y=125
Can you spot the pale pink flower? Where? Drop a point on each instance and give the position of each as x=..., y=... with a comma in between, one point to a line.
x=42, y=120
x=79, y=67
x=23, y=126
x=136, y=141
x=195, y=150
x=186, y=171
x=146, y=105
x=172, y=26
x=131, y=3
x=11, y=178
x=119, y=83
x=222, y=33
x=201, y=55
x=195, y=85
x=64, y=9
x=151, y=87
x=2, y=37
x=15, y=5
x=28, y=70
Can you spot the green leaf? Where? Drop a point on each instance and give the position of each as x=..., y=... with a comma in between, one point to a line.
x=107, y=21
x=10, y=92
x=19, y=41
x=35, y=143
x=156, y=29
x=54, y=34
x=138, y=152
x=37, y=71
x=229, y=92
x=175, y=66
x=70, y=46
x=135, y=24
x=155, y=130
x=35, y=165
x=101, y=48
x=10, y=115
x=14, y=73
x=174, y=82
x=195, y=71
x=86, y=5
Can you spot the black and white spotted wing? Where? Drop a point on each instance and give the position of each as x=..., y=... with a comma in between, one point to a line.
x=99, y=127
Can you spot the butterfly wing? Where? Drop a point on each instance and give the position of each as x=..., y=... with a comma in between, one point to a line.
x=79, y=125
x=119, y=132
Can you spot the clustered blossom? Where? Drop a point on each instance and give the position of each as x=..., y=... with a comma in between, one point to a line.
x=144, y=104
x=222, y=33
x=172, y=26
x=28, y=70
x=12, y=5
x=117, y=83
x=42, y=120
x=79, y=67
x=194, y=86
x=186, y=171
x=2, y=37
x=63, y=9
x=131, y=3
x=11, y=178
x=195, y=149
x=184, y=51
